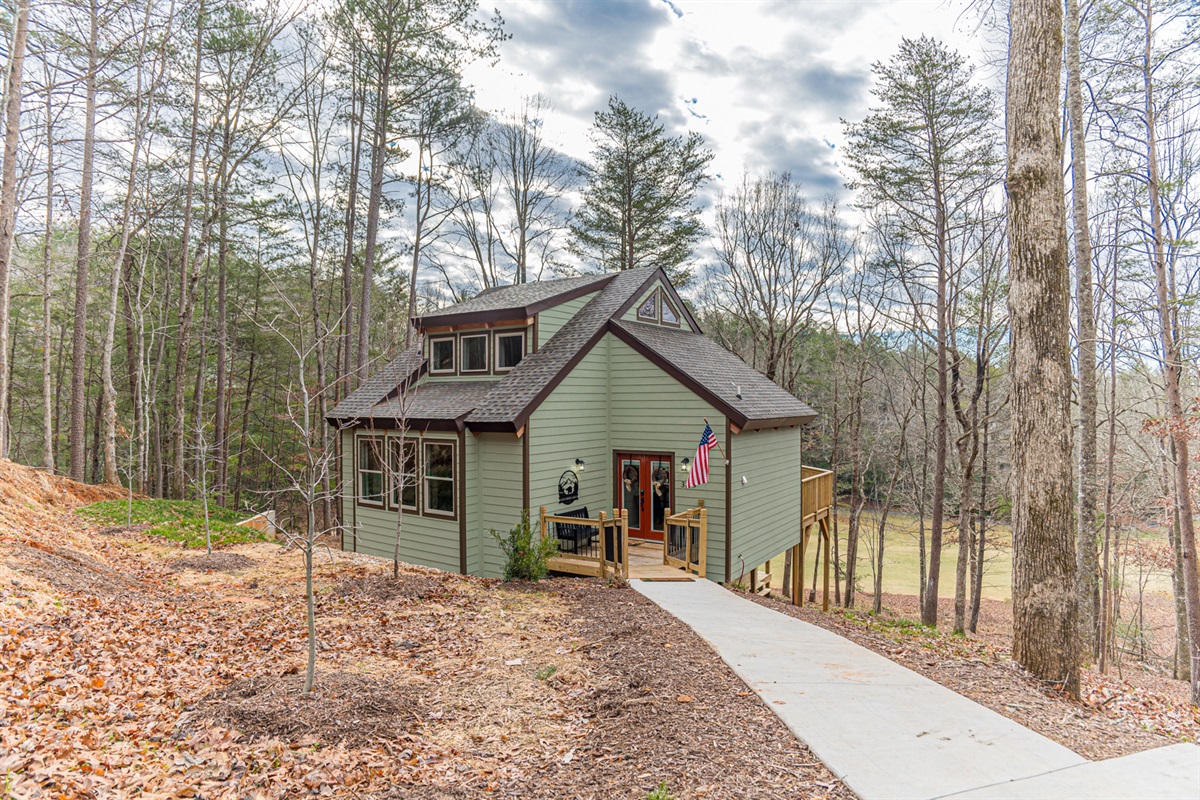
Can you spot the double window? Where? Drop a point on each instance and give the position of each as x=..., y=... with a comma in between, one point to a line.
x=657, y=307
x=489, y=352
x=415, y=475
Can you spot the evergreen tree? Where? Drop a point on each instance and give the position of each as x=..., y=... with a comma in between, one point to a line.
x=639, y=204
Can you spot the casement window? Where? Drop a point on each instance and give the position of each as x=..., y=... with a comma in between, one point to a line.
x=648, y=310
x=439, y=478
x=402, y=474
x=370, y=471
x=510, y=349
x=669, y=315
x=474, y=353
x=441, y=356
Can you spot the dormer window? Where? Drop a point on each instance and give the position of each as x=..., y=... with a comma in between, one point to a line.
x=669, y=315
x=510, y=349
x=648, y=310
x=474, y=353
x=441, y=356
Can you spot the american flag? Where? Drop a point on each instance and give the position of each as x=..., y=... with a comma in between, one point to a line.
x=698, y=475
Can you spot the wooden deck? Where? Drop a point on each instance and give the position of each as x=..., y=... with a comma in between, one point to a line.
x=646, y=561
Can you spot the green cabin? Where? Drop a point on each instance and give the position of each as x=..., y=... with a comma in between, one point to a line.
x=576, y=396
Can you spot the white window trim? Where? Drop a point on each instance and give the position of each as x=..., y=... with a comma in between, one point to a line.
x=453, y=355
x=392, y=474
x=426, y=478
x=462, y=361
x=496, y=346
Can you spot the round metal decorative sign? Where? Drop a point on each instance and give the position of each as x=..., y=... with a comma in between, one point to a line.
x=568, y=488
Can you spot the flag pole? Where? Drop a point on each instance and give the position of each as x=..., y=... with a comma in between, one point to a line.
x=718, y=441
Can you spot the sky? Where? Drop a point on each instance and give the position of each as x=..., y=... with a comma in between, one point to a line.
x=766, y=83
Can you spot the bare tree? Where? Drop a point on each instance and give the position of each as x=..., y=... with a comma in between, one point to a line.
x=1045, y=599
x=8, y=200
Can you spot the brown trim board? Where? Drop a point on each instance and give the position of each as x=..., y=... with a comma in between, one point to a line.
x=462, y=501
x=525, y=469
x=728, y=500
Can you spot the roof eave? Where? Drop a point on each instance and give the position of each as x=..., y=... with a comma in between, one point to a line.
x=514, y=313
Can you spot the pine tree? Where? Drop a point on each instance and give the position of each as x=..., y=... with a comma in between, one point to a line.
x=639, y=205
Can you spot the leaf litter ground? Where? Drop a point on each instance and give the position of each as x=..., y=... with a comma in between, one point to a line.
x=130, y=666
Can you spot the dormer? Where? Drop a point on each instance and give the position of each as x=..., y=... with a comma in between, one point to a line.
x=659, y=304
x=485, y=337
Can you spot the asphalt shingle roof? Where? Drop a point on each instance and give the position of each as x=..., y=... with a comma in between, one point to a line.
x=360, y=402
x=520, y=297
x=443, y=401
x=513, y=395
x=720, y=372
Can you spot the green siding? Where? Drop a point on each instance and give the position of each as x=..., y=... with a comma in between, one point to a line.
x=653, y=412
x=499, y=498
x=573, y=423
x=550, y=320
x=430, y=541
x=766, y=508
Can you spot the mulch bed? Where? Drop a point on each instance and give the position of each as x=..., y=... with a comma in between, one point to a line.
x=343, y=707
x=225, y=562
x=670, y=710
x=980, y=668
x=382, y=588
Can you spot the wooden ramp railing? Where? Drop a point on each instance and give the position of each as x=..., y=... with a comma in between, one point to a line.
x=604, y=554
x=685, y=544
x=816, y=505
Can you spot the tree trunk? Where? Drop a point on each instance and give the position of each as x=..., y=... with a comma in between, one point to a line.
x=83, y=255
x=929, y=610
x=378, y=151
x=188, y=276
x=48, y=394
x=1045, y=599
x=222, y=389
x=8, y=206
x=1172, y=367
x=1086, y=558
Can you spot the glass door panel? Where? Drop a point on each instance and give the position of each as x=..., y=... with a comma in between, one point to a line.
x=660, y=493
x=630, y=478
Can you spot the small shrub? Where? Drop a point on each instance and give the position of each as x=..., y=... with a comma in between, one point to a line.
x=660, y=792
x=546, y=672
x=524, y=558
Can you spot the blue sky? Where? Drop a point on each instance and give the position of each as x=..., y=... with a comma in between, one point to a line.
x=766, y=83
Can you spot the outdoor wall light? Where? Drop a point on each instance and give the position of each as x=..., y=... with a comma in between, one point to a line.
x=579, y=462
x=686, y=464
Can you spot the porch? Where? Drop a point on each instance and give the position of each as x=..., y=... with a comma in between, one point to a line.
x=602, y=547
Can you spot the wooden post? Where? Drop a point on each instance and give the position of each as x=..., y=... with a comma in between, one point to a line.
x=825, y=536
x=797, y=576
x=754, y=580
x=625, y=543
x=803, y=548
x=542, y=521
x=702, y=560
x=603, y=548
x=667, y=536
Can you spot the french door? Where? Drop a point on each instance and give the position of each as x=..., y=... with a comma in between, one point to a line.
x=644, y=488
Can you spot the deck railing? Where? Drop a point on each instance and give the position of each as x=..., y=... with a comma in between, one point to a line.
x=816, y=506
x=602, y=555
x=686, y=542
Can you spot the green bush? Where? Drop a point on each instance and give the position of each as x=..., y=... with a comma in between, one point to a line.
x=524, y=558
x=660, y=792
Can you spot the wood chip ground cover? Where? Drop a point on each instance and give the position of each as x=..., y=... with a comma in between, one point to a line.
x=183, y=682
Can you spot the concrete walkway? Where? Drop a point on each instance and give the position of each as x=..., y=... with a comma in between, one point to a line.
x=888, y=732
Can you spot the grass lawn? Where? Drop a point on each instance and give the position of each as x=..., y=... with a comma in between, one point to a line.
x=901, y=565
x=179, y=520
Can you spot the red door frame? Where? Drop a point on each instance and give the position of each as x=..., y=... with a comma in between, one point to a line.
x=645, y=519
